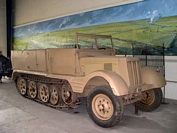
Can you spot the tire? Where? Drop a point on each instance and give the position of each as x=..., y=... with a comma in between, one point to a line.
x=151, y=101
x=103, y=107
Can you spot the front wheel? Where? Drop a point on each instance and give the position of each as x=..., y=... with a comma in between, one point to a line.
x=151, y=100
x=103, y=107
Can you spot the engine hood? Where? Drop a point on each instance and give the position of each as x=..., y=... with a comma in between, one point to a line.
x=99, y=62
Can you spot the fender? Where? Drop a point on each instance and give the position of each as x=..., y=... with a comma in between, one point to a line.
x=152, y=78
x=78, y=83
x=117, y=84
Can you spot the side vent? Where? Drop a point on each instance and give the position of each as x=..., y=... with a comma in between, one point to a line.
x=108, y=66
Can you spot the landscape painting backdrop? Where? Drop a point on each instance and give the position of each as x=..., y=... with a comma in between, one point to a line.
x=152, y=23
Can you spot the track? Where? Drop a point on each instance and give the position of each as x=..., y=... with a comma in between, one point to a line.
x=42, y=88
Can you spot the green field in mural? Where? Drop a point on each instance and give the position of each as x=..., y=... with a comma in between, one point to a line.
x=163, y=31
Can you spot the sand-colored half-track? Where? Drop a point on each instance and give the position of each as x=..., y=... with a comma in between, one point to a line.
x=58, y=77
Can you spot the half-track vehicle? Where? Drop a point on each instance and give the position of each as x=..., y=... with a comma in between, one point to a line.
x=58, y=77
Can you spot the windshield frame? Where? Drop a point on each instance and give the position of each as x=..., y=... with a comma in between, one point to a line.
x=95, y=37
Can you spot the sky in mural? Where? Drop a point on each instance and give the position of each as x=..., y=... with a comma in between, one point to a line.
x=149, y=9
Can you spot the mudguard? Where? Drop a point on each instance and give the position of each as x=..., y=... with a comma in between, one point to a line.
x=78, y=83
x=152, y=78
x=118, y=85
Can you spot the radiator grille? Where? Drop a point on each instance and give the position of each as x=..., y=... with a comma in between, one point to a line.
x=134, y=72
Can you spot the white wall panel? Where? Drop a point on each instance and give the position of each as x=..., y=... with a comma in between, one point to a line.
x=171, y=68
x=171, y=90
x=171, y=77
x=3, y=44
x=31, y=11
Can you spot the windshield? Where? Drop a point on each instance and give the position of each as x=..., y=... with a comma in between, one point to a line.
x=91, y=41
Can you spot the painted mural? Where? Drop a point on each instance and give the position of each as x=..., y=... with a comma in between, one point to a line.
x=151, y=22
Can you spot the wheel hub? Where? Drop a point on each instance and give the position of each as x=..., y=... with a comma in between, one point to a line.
x=102, y=107
x=148, y=97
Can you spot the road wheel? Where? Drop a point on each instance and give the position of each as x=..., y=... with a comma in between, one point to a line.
x=151, y=100
x=21, y=86
x=44, y=93
x=68, y=96
x=32, y=89
x=55, y=95
x=103, y=107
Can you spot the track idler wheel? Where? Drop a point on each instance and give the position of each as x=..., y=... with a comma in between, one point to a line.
x=67, y=94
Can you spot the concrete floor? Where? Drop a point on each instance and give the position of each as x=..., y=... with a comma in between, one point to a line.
x=20, y=115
